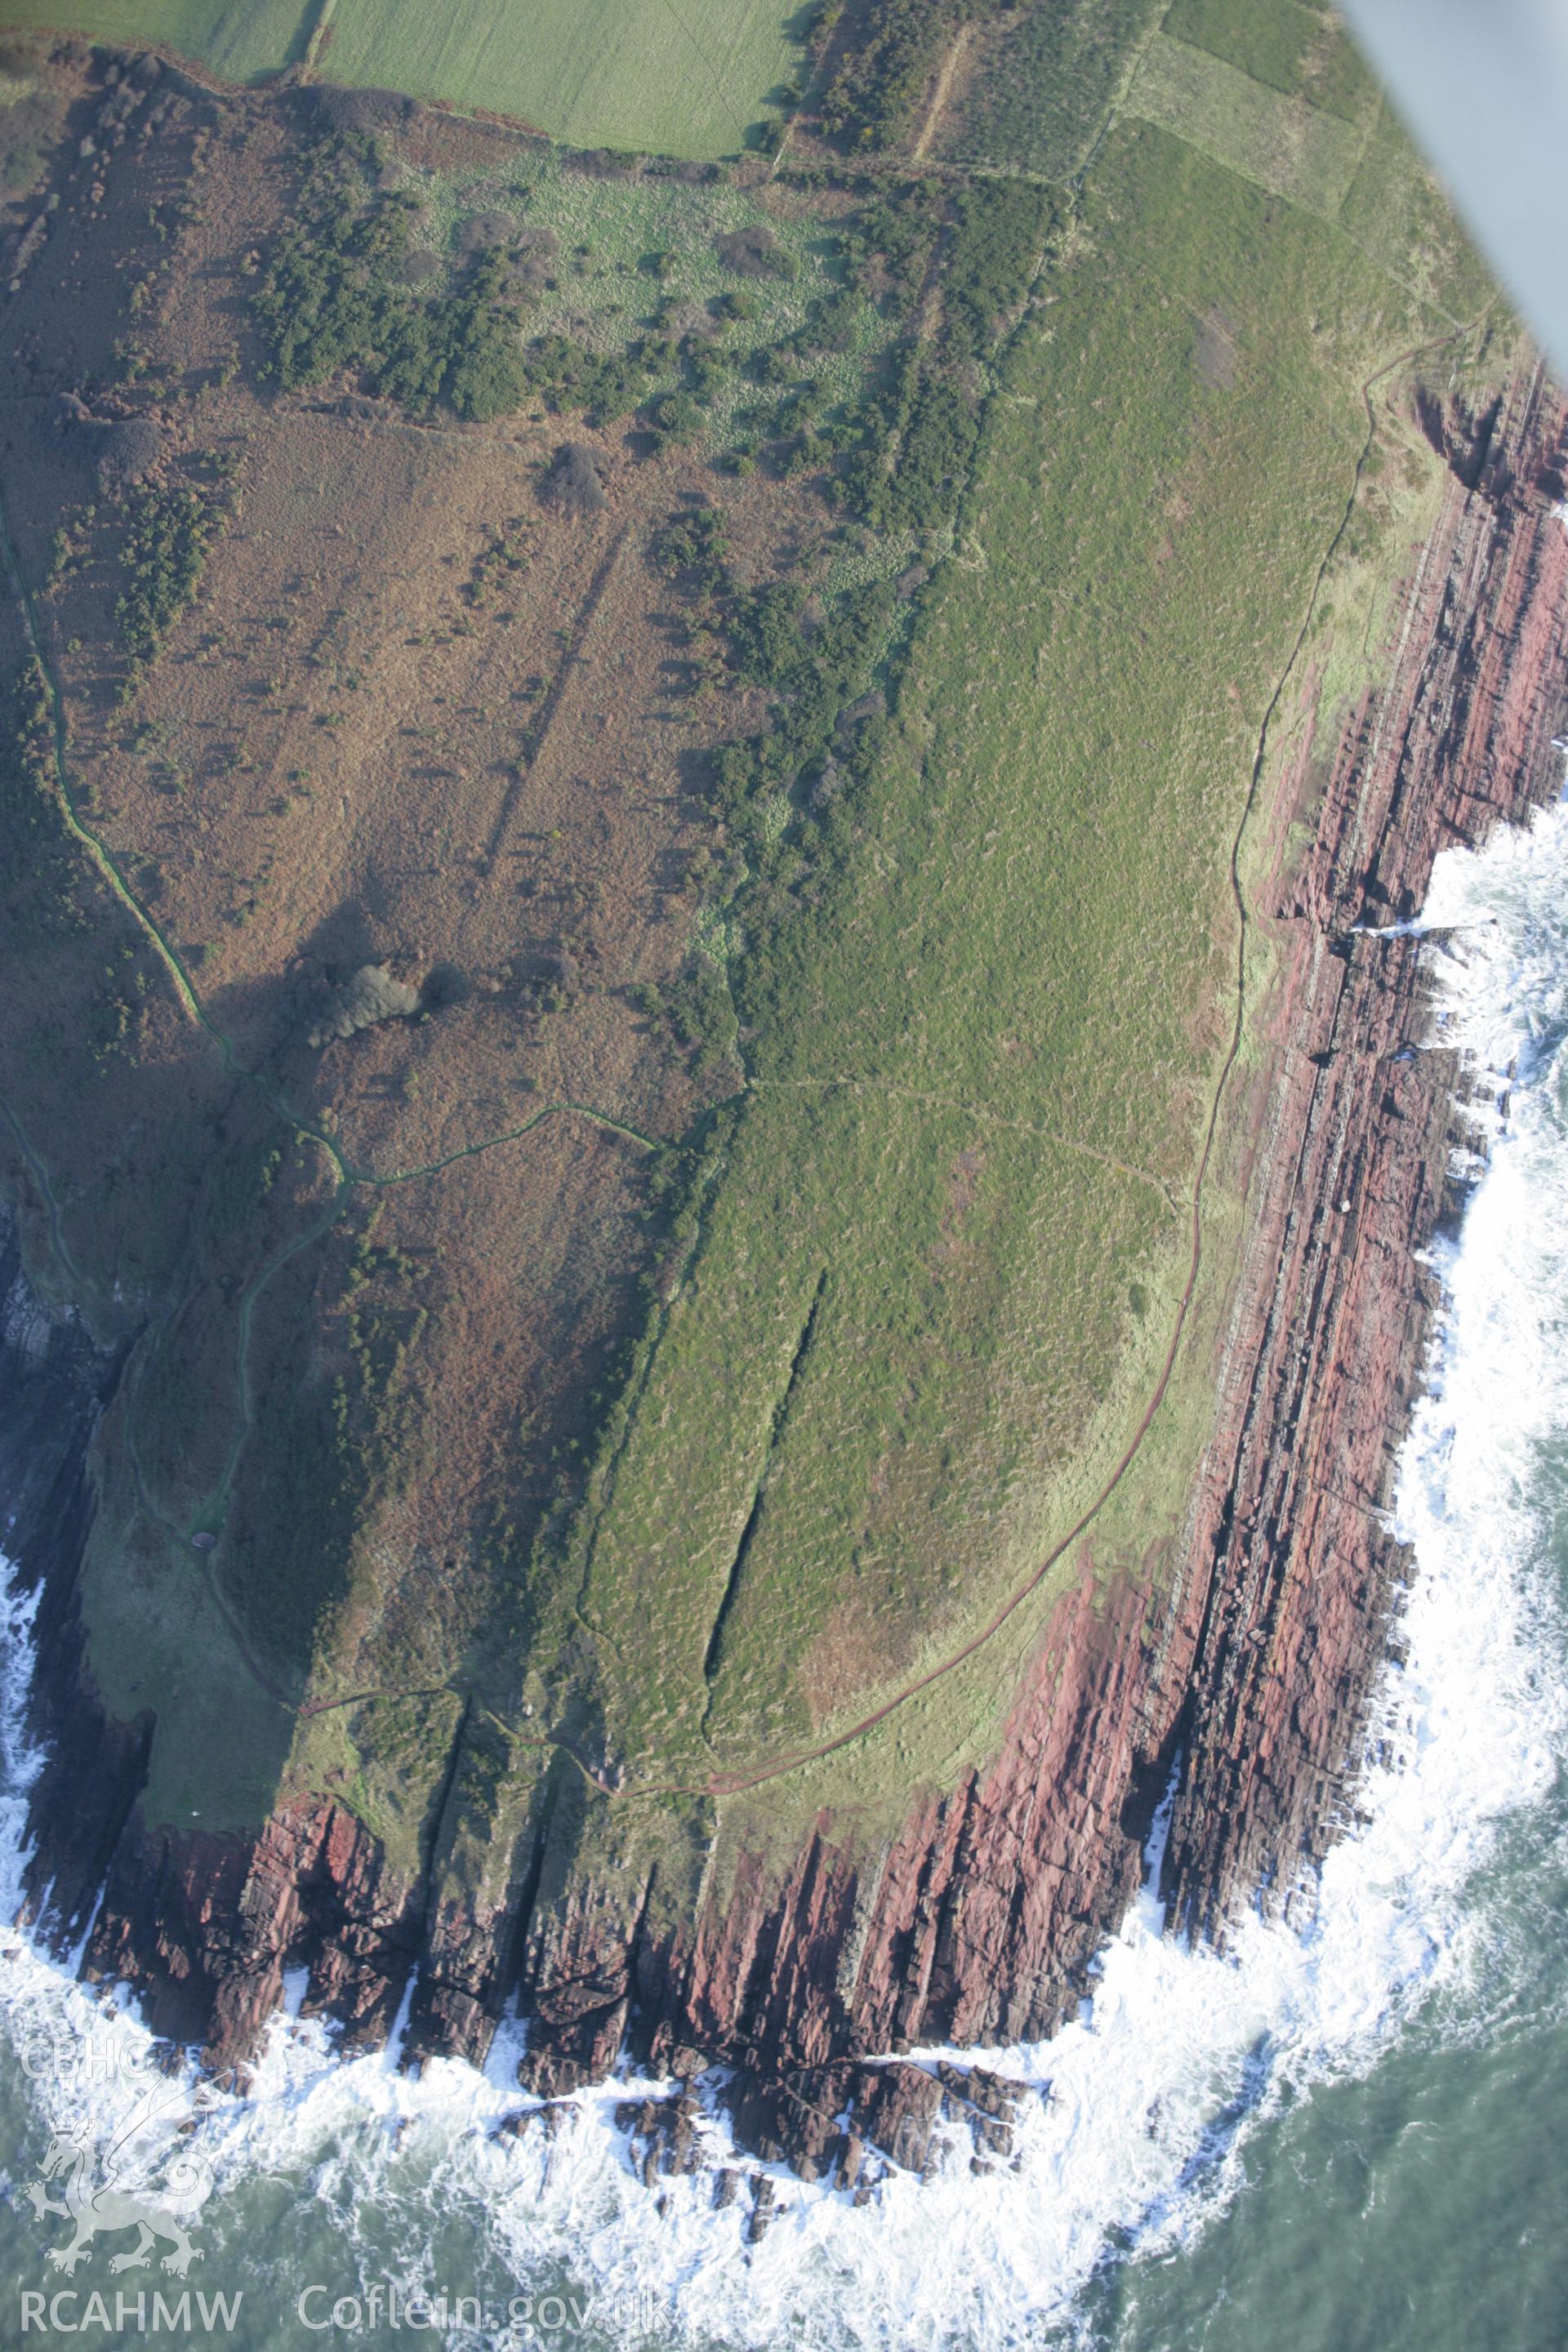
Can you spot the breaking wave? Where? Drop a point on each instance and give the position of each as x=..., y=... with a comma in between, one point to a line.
x=1147, y=2103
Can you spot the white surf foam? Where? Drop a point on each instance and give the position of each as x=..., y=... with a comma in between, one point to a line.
x=1154, y=2090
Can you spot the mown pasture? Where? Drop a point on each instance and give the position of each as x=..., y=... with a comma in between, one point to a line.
x=684, y=80
x=638, y=75
x=239, y=39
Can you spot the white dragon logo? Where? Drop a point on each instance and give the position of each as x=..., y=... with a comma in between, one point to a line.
x=106, y=2209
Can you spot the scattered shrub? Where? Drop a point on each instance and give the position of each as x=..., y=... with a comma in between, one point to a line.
x=566, y=376
x=165, y=548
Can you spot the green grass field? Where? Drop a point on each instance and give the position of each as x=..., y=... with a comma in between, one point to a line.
x=240, y=40
x=1275, y=92
x=1295, y=150
x=669, y=76
x=1298, y=51
x=675, y=77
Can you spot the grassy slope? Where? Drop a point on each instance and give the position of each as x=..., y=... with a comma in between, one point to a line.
x=1030, y=964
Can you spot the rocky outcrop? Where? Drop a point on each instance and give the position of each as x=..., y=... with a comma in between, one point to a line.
x=1250, y=1657
x=208, y=1926
x=846, y=2123
x=977, y=1922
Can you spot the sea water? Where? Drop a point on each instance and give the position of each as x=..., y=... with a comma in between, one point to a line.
x=1350, y=2130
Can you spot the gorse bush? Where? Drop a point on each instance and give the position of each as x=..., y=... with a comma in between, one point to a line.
x=917, y=428
x=692, y=547
x=766, y=643
x=999, y=233
x=604, y=386
x=701, y=1012
x=43, y=878
x=165, y=548
x=322, y=304
x=327, y=304
x=676, y=416
x=917, y=437
x=768, y=789
x=816, y=678
x=888, y=246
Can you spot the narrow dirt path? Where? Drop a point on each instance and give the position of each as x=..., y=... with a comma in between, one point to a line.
x=940, y=95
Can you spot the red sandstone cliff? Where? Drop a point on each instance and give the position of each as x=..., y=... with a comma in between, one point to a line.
x=977, y=1922
x=1292, y=1564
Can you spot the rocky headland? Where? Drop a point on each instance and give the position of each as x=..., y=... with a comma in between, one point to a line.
x=1232, y=1671
x=1249, y=1671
